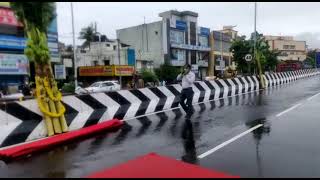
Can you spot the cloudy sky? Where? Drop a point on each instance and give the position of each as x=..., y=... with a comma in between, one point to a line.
x=300, y=20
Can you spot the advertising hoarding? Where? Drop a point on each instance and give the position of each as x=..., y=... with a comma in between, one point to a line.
x=59, y=71
x=7, y=17
x=14, y=64
x=12, y=42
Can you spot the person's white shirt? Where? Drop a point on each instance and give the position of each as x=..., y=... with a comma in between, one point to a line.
x=187, y=80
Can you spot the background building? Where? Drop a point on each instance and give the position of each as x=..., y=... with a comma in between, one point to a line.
x=106, y=53
x=290, y=49
x=222, y=55
x=176, y=39
x=15, y=67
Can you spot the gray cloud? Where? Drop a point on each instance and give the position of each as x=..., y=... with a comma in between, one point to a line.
x=273, y=18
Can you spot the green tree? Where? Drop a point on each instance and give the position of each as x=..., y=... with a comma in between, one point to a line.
x=148, y=76
x=167, y=73
x=311, y=58
x=36, y=17
x=240, y=47
x=87, y=33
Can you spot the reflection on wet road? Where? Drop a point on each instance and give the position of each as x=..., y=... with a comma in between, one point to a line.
x=280, y=143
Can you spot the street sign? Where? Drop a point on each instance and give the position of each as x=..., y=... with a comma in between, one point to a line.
x=248, y=57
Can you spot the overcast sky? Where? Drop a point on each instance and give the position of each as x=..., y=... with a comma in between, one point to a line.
x=273, y=18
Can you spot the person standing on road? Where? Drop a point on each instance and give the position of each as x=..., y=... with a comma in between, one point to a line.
x=188, y=78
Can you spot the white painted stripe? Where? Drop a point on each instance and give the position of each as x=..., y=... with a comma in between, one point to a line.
x=196, y=95
x=134, y=101
x=228, y=142
x=257, y=82
x=84, y=112
x=226, y=88
x=207, y=90
x=239, y=84
x=233, y=87
x=170, y=97
x=7, y=125
x=251, y=83
x=246, y=84
x=31, y=105
x=216, y=88
x=39, y=132
x=313, y=96
x=112, y=106
x=154, y=99
x=285, y=111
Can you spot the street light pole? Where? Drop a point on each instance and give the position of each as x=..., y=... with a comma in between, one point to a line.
x=257, y=58
x=74, y=50
x=119, y=62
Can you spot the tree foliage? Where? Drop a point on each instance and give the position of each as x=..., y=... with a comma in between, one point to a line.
x=87, y=33
x=34, y=14
x=241, y=47
x=167, y=73
x=148, y=76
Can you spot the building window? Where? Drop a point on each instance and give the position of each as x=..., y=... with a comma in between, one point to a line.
x=156, y=32
x=177, y=54
x=203, y=41
x=108, y=45
x=176, y=36
x=292, y=47
x=114, y=47
x=285, y=46
x=106, y=62
x=291, y=53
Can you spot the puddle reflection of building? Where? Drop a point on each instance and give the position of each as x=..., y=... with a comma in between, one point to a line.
x=190, y=155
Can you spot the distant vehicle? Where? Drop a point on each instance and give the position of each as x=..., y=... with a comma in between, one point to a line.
x=14, y=96
x=101, y=86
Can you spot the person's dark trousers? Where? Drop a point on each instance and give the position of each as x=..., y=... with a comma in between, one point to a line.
x=187, y=93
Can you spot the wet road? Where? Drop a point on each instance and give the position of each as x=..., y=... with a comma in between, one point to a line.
x=284, y=146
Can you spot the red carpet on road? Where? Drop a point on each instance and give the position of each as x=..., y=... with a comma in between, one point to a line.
x=46, y=143
x=156, y=166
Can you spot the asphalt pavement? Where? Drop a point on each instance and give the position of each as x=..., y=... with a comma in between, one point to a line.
x=269, y=133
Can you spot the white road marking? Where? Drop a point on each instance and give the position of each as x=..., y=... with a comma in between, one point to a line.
x=313, y=96
x=228, y=142
x=285, y=111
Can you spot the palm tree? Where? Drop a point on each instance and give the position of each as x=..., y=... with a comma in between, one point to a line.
x=36, y=17
x=87, y=33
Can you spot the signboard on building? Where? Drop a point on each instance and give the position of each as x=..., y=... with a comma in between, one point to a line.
x=59, y=71
x=181, y=25
x=95, y=71
x=195, y=68
x=190, y=47
x=53, y=40
x=5, y=4
x=123, y=70
x=14, y=64
x=204, y=31
x=12, y=42
x=7, y=17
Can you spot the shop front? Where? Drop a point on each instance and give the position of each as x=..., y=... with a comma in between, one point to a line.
x=91, y=74
x=14, y=70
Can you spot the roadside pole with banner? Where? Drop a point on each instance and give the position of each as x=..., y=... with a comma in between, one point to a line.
x=59, y=71
x=248, y=58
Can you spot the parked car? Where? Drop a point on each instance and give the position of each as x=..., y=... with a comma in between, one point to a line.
x=101, y=86
x=14, y=96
